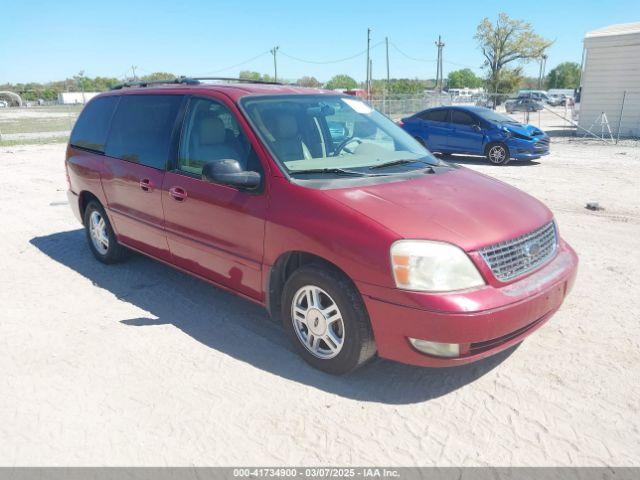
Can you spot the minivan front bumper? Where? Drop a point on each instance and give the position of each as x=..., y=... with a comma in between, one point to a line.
x=483, y=321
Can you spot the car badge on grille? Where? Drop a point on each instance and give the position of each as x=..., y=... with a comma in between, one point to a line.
x=532, y=249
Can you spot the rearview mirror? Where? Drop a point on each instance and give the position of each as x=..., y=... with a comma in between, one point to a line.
x=229, y=172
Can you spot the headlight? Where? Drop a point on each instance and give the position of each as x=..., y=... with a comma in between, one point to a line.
x=432, y=266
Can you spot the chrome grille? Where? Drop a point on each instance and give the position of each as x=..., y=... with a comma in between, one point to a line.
x=520, y=255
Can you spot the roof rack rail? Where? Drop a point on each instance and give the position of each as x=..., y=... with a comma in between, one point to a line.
x=230, y=79
x=187, y=81
x=177, y=80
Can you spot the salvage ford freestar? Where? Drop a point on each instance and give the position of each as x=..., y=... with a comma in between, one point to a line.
x=321, y=209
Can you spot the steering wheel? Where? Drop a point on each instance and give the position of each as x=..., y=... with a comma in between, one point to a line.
x=344, y=143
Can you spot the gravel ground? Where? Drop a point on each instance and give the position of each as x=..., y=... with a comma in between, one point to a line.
x=138, y=364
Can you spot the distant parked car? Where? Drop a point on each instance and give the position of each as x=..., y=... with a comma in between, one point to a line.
x=538, y=95
x=3, y=104
x=557, y=100
x=523, y=104
x=476, y=131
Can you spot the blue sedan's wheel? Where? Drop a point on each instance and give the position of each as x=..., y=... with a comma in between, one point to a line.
x=497, y=153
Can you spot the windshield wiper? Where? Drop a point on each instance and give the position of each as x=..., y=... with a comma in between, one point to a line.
x=403, y=161
x=338, y=171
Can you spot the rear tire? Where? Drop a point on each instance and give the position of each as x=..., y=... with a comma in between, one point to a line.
x=326, y=319
x=100, y=235
x=497, y=153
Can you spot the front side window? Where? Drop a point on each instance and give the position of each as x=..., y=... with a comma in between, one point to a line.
x=92, y=127
x=142, y=127
x=308, y=132
x=211, y=133
x=461, y=118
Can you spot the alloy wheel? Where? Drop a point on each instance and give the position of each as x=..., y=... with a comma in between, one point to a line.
x=317, y=322
x=497, y=154
x=98, y=232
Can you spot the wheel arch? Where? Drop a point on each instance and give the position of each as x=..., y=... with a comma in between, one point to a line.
x=283, y=268
x=83, y=200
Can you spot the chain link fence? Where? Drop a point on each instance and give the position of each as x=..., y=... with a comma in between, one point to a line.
x=617, y=123
x=36, y=124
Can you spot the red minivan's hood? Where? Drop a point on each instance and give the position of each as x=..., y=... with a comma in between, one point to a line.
x=462, y=207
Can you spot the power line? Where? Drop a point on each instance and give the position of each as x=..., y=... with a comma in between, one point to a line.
x=325, y=62
x=416, y=59
x=426, y=60
x=237, y=64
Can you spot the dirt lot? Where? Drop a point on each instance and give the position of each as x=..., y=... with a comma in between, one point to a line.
x=138, y=364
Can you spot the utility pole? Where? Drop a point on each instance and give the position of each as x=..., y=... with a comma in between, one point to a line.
x=368, y=62
x=80, y=78
x=133, y=70
x=274, y=51
x=386, y=41
x=544, y=68
x=386, y=88
x=370, y=74
x=540, y=75
x=440, y=45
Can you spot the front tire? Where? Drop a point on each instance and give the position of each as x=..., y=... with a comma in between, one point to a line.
x=100, y=235
x=497, y=153
x=326, y=319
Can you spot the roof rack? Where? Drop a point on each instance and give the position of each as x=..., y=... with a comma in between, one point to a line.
x=229, y=79
x=187, y=81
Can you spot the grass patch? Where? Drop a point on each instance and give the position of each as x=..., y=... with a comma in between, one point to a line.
x=33, y=141
x=55, y=118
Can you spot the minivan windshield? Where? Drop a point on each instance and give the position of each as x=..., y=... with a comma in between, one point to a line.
x=329, y=134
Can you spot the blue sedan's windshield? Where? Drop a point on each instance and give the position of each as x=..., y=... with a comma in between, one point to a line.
x=492, y=116
x=331, y=133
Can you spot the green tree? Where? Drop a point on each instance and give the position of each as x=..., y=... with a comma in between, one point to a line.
x=250, y=75
x=464, y=78
x=507, y=41
x=155, y=76
x=529, y=83
x=255, y=76
x=341, y=81
x=565, y=75
x=311, y=82
x=401, y=86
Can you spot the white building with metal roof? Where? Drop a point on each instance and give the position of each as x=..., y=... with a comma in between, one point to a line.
x=611, y=79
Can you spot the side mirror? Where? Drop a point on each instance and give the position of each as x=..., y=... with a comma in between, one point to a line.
x=476, y=127
x=229, y=172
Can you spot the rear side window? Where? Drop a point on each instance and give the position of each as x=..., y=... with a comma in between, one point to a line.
x=461, y=118
x=141, y=129
x=435, y=116
x=91, y=129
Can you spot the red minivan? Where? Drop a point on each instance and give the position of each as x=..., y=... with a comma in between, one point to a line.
x=321, y=209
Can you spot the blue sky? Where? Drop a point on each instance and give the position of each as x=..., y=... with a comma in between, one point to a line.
x=47, y=40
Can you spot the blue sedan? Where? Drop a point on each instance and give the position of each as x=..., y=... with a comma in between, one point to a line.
x=476, y=131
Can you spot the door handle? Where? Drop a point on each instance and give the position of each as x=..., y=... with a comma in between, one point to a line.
x=146, y=185
x=178, y=194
